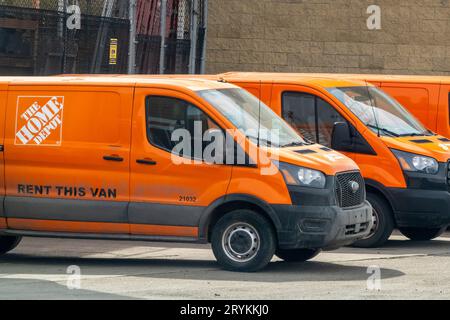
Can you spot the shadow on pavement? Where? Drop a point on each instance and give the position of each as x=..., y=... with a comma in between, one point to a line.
x=405, y=247
x=32, y=289
x=171, y=269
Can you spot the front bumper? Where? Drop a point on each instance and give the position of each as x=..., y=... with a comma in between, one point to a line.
x=420, y=208
x=425, y=203
x=322, y=227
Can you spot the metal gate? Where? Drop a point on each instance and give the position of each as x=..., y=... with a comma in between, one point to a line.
x=35, y=39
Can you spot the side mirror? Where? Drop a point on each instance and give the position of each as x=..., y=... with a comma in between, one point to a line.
x=341, y=138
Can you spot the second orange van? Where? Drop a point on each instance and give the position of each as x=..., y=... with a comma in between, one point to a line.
x=406, y=167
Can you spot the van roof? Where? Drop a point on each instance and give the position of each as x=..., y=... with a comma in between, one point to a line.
x=194, y=84
x=322, y=80
x=406, y=78
x=384, y=77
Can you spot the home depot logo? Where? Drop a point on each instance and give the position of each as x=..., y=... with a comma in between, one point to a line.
x=39, y=121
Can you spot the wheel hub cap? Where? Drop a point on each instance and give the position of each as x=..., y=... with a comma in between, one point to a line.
x=241, y=242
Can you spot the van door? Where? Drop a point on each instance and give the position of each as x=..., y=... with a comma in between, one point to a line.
x=443, y=119
x=3, y=96
x=311, y=113
x=420, y=99
x=168, y=198
x=67, y=158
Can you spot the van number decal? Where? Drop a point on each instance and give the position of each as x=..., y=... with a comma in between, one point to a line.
x=39, y=121
x=187, y=199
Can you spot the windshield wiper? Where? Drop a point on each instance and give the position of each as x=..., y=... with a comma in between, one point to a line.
x=392, y=133
x=293, y=144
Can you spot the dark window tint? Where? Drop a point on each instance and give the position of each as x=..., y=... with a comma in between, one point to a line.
x=165, y=115
x=299, y=111
x=313, y=117
x=327, y=116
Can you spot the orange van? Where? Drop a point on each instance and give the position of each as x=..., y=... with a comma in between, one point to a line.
x=405, y=166
x=132, y=158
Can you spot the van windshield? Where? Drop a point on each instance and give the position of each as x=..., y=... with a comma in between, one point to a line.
x=379, y=112
x=249, y=115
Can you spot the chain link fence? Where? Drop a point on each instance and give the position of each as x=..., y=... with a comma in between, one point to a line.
x=183, y=18
x=35, y=37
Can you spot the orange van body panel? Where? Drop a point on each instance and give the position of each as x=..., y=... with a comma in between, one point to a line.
x=443, y=117
x=272, y=189
x=79, y=164
x=162, y=184
x=3, y=224
x=173, y=231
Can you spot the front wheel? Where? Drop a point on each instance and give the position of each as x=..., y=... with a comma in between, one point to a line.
x=422, y=234
x=297, y=255
x=243, y=240
x=8, y=243
x=383, y=226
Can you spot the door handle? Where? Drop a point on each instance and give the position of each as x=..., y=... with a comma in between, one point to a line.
x=113, y=158
x=148, y=162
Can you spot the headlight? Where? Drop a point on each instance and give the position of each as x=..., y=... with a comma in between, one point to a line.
x=304, y=177
x=416, y=163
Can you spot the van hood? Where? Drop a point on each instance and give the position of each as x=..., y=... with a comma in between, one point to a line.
x=316, y=157
x=436, y=147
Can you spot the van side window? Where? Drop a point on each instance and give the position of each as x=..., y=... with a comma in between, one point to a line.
x=165, y=115
x=313, y=117
x=301, y=118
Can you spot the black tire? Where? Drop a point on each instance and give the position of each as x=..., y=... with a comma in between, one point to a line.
x=384, y=223
x=297, y=255
x=251, y=235
x=422, y=234
x=8, y=243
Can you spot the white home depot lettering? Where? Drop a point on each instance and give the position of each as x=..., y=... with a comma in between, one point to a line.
x=39, y=120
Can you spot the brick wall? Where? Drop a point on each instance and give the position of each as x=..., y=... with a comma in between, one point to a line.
x=328, y=36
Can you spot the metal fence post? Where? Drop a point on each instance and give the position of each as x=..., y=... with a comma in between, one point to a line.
x=132, y=42
x=205, y=27
x=162, y=55
x=194, y=29
x=62, y=33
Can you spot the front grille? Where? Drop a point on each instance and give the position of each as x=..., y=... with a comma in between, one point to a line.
x=355, y=229
x=347, y=193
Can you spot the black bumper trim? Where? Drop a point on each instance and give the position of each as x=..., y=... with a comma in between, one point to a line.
x=420, y=208
x=322, y=227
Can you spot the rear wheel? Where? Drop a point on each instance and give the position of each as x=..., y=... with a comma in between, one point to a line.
x=383, y=223
x=8, y=243
x=422, y=234
x=297, y=255
x=243, y=240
